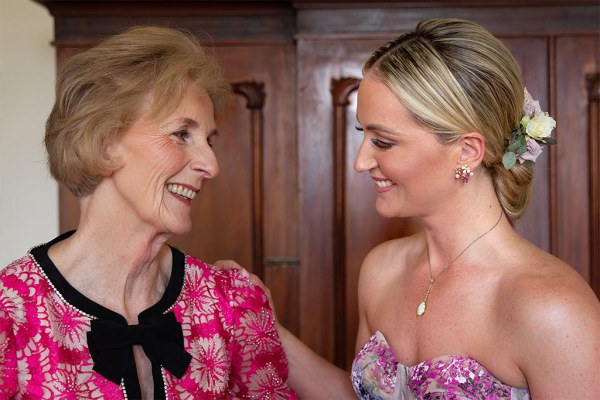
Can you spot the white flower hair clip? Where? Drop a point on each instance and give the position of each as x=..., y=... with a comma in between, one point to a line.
x=534, y=130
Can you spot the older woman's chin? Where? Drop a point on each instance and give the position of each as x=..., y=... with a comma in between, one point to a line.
x=180, y=228
x=183, y=231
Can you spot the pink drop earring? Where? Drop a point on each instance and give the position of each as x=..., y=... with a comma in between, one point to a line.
x=463, y=173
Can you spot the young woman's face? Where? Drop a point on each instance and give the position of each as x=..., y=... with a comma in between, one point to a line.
x=164, y=163
x=411, y=169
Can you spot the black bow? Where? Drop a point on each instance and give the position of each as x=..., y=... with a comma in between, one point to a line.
x=161, y=338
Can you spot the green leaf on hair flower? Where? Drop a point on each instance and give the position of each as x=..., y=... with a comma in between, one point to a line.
x=515, y=141
x=514, y=145
x=549, y=141
x=509, y=159
x=522, y=145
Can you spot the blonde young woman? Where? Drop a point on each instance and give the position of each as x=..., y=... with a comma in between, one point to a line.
x=110, y=310
x=466, y=308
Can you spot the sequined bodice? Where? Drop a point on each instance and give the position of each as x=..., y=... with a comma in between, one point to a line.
x=377, y=375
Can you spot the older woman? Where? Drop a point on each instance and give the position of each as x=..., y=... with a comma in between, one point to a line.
x=111, y=310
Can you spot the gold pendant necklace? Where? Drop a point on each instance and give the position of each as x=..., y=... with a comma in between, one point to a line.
x=423, y=305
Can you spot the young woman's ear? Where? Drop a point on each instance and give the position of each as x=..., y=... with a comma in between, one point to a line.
x=472, y=149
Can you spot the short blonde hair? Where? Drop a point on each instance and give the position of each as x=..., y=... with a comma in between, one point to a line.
x=100, y=91
x=455, y=77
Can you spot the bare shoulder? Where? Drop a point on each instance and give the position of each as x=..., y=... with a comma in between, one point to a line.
x=542, y=284
x=380, y=274
x=389, y=257
x=551, y=318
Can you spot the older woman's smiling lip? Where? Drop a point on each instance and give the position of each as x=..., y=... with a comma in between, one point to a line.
x=182, y=191
x=382, y=185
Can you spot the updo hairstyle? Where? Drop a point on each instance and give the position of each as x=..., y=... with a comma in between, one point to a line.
x=455, y=77
x=101, y=91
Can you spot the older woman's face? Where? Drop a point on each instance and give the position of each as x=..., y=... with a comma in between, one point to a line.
x=164, y=164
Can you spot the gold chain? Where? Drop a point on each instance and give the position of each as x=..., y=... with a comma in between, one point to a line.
x=423, y=305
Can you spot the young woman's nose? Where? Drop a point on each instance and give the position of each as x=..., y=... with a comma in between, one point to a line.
x=364, y=158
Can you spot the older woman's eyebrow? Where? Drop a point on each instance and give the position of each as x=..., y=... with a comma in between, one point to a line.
x=179, y=123
x=188, y=122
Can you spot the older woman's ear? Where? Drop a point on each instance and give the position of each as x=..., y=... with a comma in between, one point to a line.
x=112, y=154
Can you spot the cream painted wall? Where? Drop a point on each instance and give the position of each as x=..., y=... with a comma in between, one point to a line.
x=28, y=195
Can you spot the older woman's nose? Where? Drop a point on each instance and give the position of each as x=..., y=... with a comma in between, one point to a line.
x=364, y=159
x=205, y=162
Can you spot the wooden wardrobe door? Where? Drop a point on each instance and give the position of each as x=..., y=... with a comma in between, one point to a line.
x=532, y=56
x=339, y=223
x=576, y=62
x=248, y=213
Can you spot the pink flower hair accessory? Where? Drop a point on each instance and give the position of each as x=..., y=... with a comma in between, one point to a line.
x=533, y=131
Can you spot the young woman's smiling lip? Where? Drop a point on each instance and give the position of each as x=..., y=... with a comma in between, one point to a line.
x=183, y=192
x=382, y=184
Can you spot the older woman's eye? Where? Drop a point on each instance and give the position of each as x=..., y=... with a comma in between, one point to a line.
x=182, y=135
x=381, y=144
x=211, y=138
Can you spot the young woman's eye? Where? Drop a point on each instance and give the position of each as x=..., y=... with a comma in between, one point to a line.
x=381, y=144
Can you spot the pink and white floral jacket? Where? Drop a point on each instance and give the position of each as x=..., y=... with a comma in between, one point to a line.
x=226, y=323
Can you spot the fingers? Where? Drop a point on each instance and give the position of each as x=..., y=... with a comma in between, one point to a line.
x=227, y=264
x=253, y=279
x=230, y=264
x=256, y=281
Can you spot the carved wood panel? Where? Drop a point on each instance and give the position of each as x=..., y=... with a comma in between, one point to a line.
x=538, y=224
x=575, y=57
x=341, y=89
x=594, y=144
x=325, y=131
x=279, y=264
x=357, y=225
x=231, y=205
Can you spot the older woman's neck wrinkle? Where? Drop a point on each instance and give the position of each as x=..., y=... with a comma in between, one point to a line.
x=125, y=270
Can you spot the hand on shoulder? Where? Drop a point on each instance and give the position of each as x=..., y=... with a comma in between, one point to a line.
x=251, y=278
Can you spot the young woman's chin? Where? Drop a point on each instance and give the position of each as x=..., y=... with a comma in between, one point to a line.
x=384, y=209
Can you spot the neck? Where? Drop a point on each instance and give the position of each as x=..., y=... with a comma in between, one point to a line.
x=122, y=266
x=459, y=224
x=471, y=243
x=460, y=230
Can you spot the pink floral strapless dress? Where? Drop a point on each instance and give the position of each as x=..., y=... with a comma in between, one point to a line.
x=377, y=375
